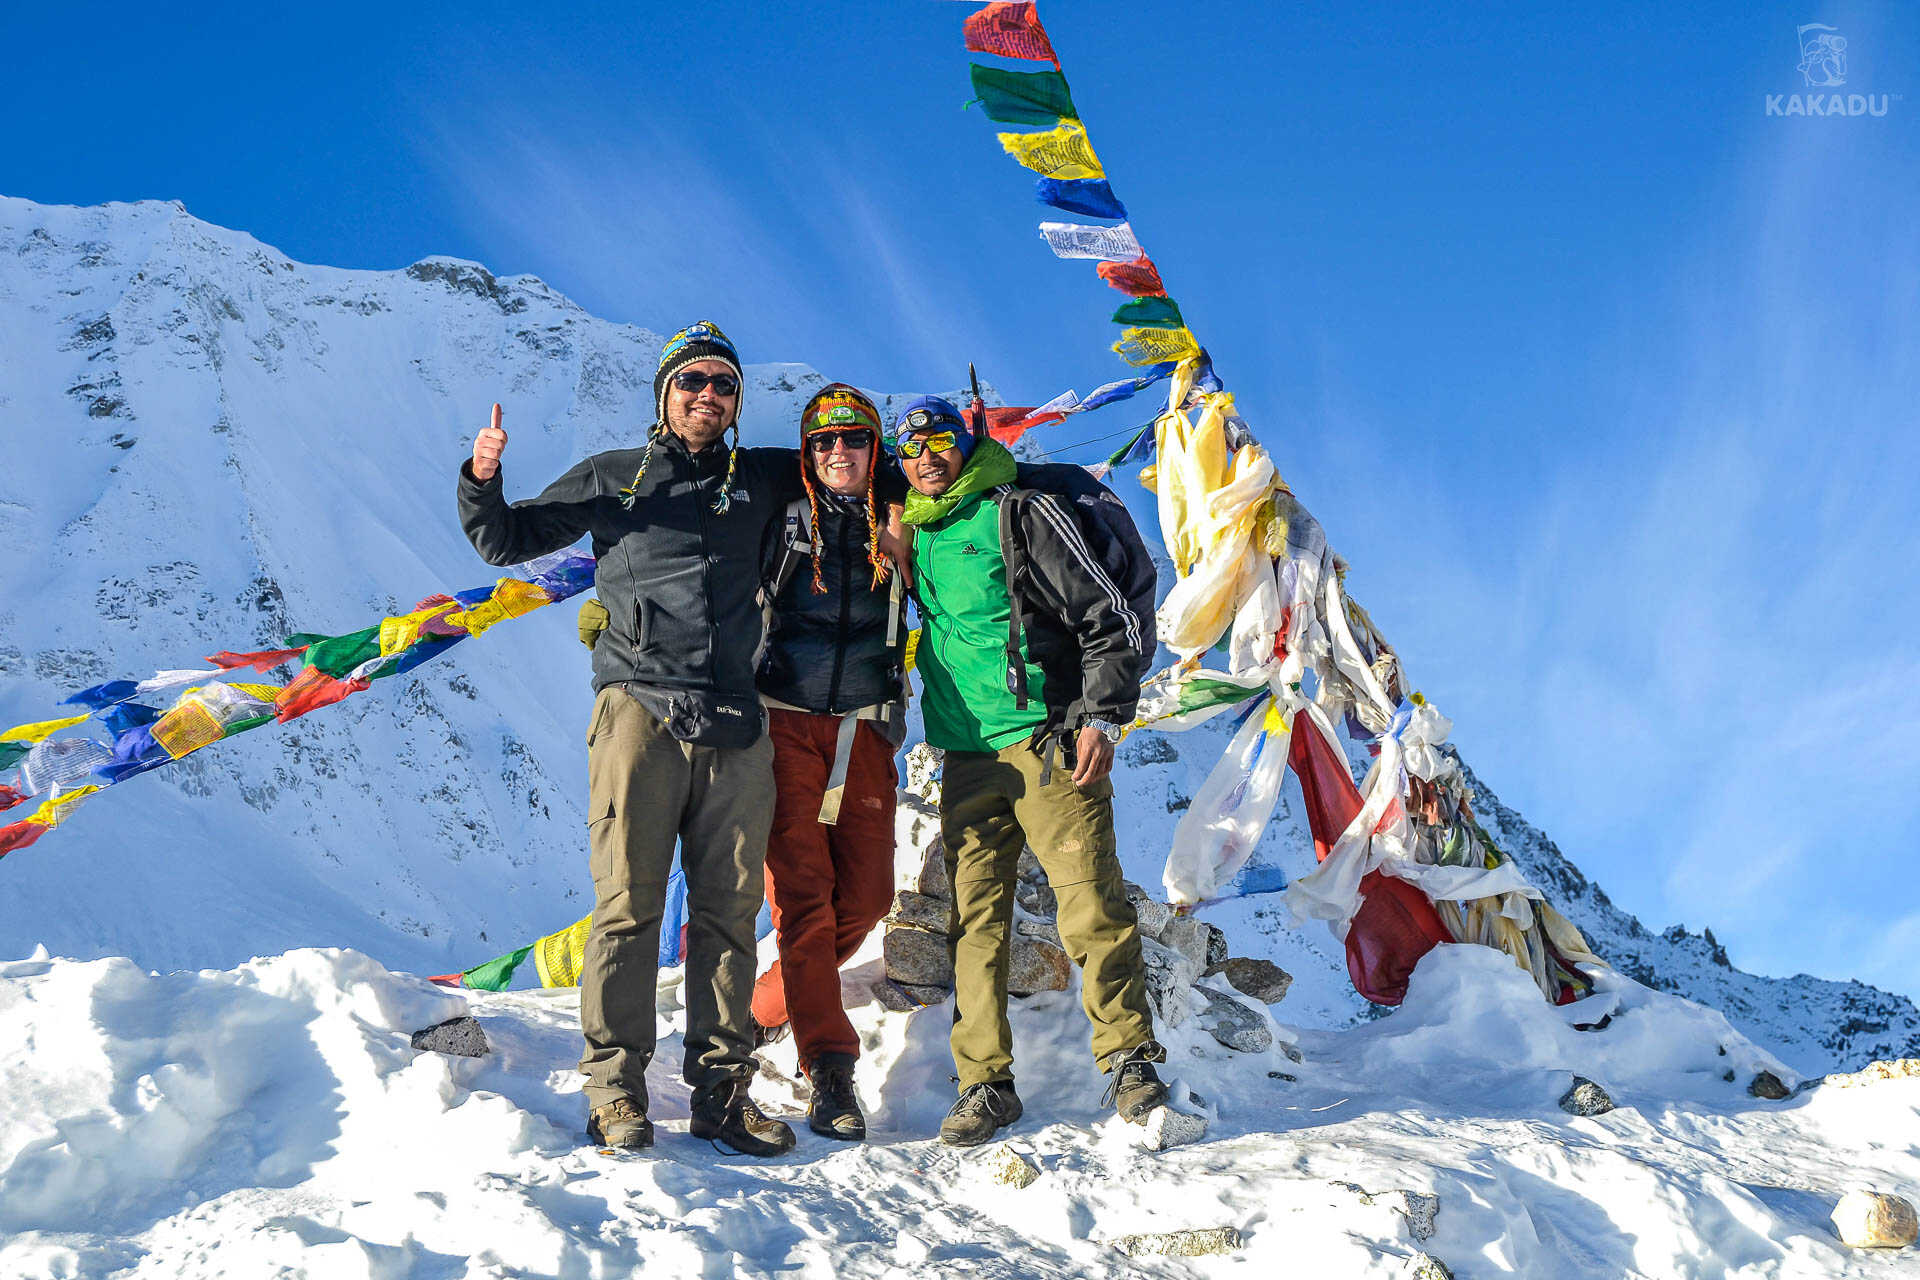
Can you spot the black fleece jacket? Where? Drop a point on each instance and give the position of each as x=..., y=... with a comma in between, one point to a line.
x=679, y=581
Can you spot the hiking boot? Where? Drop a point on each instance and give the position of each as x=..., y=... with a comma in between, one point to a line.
x=982, y=1111
x=620, y=1123
x=724, y=1112
x=1133, y=1086
x=835, y=1109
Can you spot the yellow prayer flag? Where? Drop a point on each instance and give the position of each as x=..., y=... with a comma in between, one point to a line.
x=1275, y=722
x=913, y=648
x=511, y=599
x=58, y=809
x=264, y=692
x=1060, y=152
x=189, y=726
x=401, y=630
x=41, y=730
x=1153, y=346
x=559, y=956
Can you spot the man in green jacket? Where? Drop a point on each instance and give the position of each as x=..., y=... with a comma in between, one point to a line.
x=1081, y=659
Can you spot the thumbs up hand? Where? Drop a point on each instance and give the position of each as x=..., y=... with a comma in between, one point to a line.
x=487, y=448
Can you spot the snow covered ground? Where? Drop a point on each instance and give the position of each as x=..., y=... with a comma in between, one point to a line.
x=272, y=1120
x=222, y=446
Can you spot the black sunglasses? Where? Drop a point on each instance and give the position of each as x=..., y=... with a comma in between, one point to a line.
x=691, y=380
x=858, y=438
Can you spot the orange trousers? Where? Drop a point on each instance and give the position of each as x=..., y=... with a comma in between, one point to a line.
x=829, y=885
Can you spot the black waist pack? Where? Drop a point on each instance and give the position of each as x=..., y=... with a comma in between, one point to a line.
x=703, y=718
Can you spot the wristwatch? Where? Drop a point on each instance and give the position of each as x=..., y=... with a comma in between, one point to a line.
x=1108, y=730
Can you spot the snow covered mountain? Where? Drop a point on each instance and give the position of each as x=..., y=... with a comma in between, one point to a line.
x=208, y=446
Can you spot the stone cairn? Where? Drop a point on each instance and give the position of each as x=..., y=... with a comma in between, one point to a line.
x=1191, y=972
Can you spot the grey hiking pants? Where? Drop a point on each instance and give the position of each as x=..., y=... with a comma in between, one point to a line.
x=647, y=790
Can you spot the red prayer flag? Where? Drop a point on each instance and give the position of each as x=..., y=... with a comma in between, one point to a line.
x=1138, y=279
x=9, y=798
x=1396, y=923
x=1008, y=424
x=19, y=835
x=311, y=690
x=261, y=661
x=1011, y=30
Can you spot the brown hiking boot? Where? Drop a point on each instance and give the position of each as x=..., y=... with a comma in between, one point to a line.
x=724, y=1112
x=620, y=1123
x=981, y=1111
x=1133, y=1086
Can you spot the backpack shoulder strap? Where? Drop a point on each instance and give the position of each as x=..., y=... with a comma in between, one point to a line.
x=796, y=543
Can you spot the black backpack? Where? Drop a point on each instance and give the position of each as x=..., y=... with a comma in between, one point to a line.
x=1110, y=534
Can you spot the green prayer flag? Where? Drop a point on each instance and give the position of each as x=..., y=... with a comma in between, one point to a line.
x=1150, y=313
x=1023, y=97
x=11, y=751
x=497, y=973
x=251, y=722
x=337, y=655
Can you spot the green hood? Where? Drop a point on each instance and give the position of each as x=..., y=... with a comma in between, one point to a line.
x=990, y=464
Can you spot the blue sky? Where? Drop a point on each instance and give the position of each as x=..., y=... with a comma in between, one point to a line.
x=1604, y=380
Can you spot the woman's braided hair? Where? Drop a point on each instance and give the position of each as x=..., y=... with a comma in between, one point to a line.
x=839, y=407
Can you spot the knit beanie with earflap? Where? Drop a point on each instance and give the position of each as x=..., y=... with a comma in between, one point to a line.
x=839, y=407
x=700, y=341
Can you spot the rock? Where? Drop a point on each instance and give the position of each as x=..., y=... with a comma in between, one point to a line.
x=1029, y=867
x=1189, y=937
x=1875, y=1220
x=1419, y=1208
x=1585, y=1098
x=933, y=871
x=921, y=910
x=1166, y=1127
x=1179, y=1244
x=1044, y=930
x=1263, y=980
x=1169, y=978
x=1006, y=1167
x=917, y=957
x=1216, y=945
x=1233, y=1024
x=1874, y=1072
x=1153, y=915
x=901, y=997
x=1769, y=1086
x=1037, y=966
x=461, y=1037
x=1036, y=898
x=1424, y=1266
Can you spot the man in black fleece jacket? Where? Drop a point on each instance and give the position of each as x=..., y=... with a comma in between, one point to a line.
x=676, y=749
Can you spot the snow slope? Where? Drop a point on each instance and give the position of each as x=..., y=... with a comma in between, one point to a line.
x=271, y=1120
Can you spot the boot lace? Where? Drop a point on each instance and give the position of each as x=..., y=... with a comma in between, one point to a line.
x=1136, y=1062
x=981, y=1100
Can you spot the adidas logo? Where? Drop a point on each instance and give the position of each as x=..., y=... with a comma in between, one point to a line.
x=969, y=550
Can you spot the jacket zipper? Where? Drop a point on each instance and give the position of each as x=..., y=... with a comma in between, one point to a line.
x=706, y=559
x=840, y=648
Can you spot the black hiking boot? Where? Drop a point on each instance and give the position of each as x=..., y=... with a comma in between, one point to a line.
x=835, y=1109
x=1133, y=1086
x=620, y=1124
x=724, y=1112
x=982, y=1111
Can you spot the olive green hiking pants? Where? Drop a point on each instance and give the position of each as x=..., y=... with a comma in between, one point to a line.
x=990, y=806
x=648, y=791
